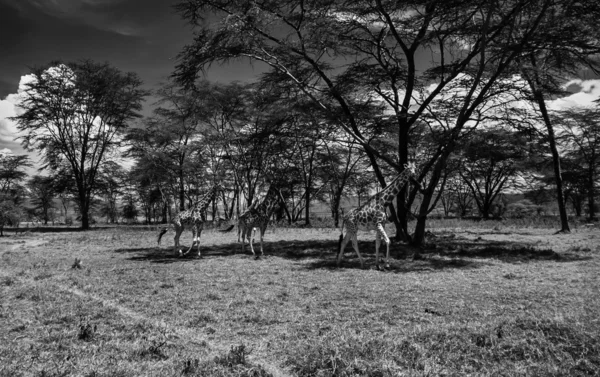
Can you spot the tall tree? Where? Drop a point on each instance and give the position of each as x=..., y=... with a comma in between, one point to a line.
x=569, y=40
x=75, y=113
x=345, y=55
x=580, y=130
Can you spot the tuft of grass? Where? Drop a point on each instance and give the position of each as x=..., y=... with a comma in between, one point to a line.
x=233, y=364
x=7, y=281
x=87, y=331
x=151, y=349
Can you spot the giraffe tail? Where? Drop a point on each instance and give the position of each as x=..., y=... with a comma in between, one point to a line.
x=162, y=231
x=341, y=238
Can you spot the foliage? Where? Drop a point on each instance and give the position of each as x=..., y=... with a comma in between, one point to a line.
x=356, y=59
x=74, y=113
x=12, y=172
x=42, y=191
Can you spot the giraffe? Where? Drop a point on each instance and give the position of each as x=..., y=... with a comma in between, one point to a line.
x=257, y=216
x=371, y=215
x=192, y=217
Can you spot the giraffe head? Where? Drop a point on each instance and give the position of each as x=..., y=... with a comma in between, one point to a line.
x=218, y=187
x=272, y=198
x=410, y=169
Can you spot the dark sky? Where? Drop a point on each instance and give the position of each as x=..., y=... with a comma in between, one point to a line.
x=143, y=36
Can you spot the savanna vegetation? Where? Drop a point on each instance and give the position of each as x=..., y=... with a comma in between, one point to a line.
x=495, y=268
x=512, y=300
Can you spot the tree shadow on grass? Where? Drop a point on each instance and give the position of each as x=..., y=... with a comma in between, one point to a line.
x=441, y=252
x=505, y=251
x=167, y=255
x=44, y=229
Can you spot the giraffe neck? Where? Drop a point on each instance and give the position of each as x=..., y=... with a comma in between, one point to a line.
x=388, y=194
x=268, y=203
x=205, y=200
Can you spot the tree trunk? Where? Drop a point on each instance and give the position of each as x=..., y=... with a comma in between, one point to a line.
x=560, y=199
x=591, y=203
x=419, y=236
x=402, y=211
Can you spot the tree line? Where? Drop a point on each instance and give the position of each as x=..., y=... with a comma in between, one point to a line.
x=354, y=91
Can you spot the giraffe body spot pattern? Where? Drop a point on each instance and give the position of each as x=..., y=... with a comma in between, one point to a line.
x=372, y=215
x=192, y=218
x=257, y=218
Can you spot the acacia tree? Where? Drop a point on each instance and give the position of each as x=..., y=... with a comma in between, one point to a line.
x=490, y=161
x=346, y=54
x=42, y=193
x=12, y=173
x=74, y=113
x=580, y=131
x=569, y=40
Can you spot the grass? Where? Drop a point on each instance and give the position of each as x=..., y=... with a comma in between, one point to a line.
x=482, y=301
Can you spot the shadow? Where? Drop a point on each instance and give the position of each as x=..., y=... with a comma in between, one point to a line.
x=448, y=245
x=442, y=251
x=45, y=229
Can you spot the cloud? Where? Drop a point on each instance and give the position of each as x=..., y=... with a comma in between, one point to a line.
x=585, y=93
x=8, y=128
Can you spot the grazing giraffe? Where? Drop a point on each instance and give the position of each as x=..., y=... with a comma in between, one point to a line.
x=257, y=216
x=192, y=217
x=371, y=215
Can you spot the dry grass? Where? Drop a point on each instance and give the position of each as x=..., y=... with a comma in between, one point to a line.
x=500, y=301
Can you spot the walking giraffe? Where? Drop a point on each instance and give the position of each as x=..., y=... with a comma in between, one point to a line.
x=192, y=217
x=372, y=215
x=257, y=216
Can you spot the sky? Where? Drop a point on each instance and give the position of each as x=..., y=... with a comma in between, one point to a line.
x=141, y=36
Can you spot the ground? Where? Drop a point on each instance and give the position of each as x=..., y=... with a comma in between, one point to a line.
x=481, y=301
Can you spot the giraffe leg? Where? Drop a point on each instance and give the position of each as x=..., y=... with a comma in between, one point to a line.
x=246, y=236
x=250, y=233
x=198, y=244
x=178, y=231
x=262, y=236
x=355, y=245
x=377, y=244
x=192, y=245
x=343, y=246
x=242, y=233
x=382, y=234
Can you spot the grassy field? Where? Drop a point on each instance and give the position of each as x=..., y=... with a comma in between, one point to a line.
x=500, y=301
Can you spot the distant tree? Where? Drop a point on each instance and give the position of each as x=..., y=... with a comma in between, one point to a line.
x=66, y=190
x=490, y=160
x=172, y=134
x=12, y=171
x=343, y=159
x=575, y=186
x=129, y=210
x=12, y=192
x=150, y=183
x=75, y=113
x=580, y=132
x=42, y=193
x=109, y=186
